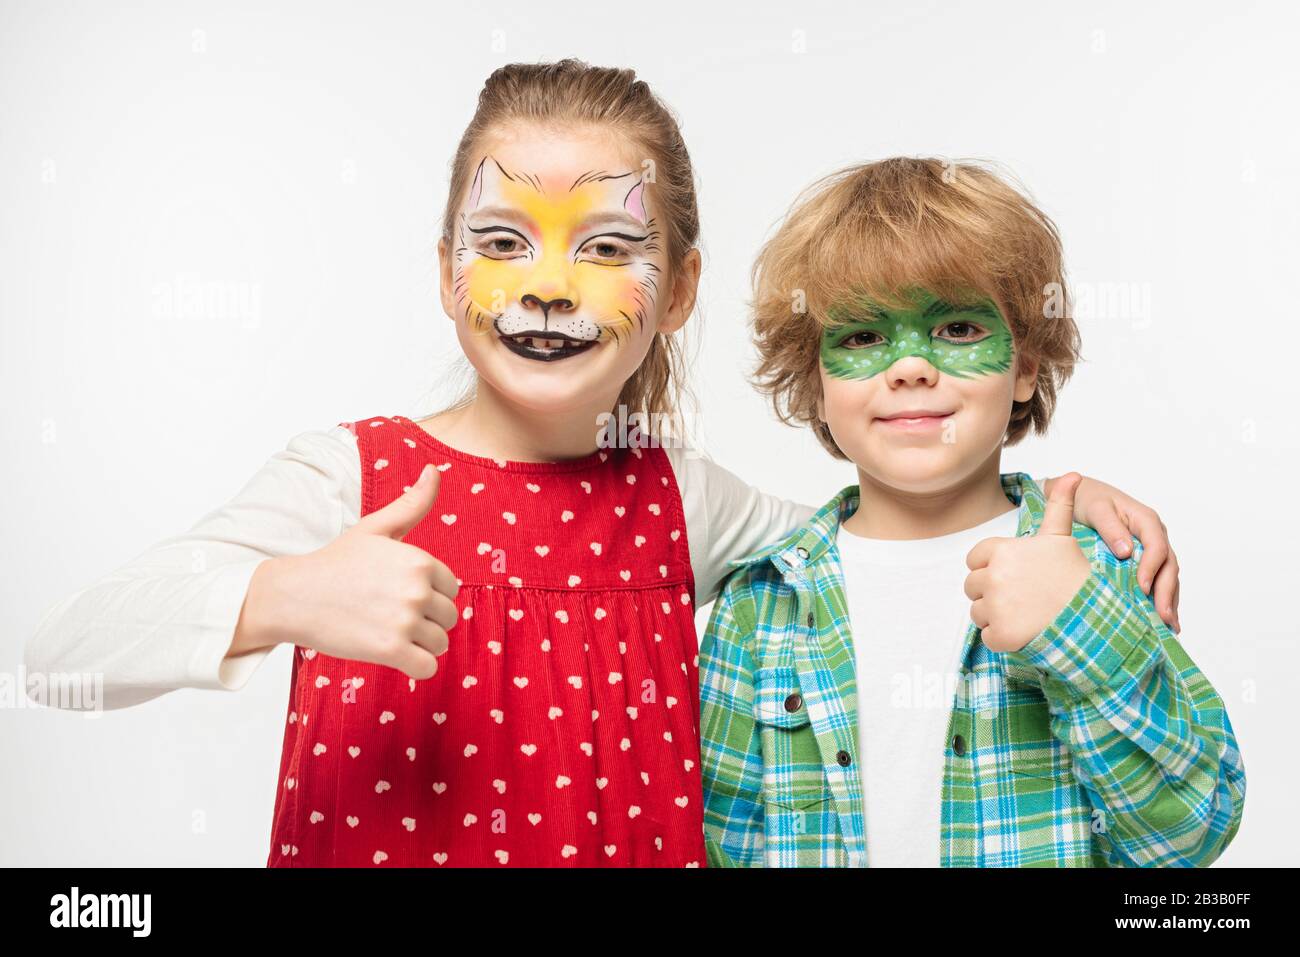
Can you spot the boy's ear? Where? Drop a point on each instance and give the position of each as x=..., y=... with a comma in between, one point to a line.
x=686, y=286
x=1026, y=380
x=444, y=281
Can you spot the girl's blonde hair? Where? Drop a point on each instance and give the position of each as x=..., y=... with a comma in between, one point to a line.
x=956, y=229
x=571, y=92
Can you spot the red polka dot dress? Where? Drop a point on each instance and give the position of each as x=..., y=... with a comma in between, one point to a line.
x=561, y=729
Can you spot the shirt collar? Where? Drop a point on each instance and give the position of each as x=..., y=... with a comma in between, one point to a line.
x=808, y=543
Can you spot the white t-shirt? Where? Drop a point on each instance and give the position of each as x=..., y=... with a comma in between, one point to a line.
x=909, y=615
x=165, y=619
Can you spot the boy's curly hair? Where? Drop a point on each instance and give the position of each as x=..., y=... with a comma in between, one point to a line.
x=956, y=229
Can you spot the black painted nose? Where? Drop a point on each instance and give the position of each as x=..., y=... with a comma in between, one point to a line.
x=528, y=299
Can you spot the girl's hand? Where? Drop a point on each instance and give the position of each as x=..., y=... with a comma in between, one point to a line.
x=366, y=596
x=1118, y=517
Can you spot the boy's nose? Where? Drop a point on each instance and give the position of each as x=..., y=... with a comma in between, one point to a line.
x=912, y=370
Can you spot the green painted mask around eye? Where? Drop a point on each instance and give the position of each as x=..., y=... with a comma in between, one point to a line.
x=866, y=339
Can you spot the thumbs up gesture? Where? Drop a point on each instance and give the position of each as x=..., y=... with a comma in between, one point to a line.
x=1017, y=586
x=366, y=596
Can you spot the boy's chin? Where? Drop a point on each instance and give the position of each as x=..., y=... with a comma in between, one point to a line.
x=919, y=471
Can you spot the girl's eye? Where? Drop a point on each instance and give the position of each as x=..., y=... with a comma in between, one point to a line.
x=502, y=245
x=605, y=249
x=861, y=340
x=962, y=332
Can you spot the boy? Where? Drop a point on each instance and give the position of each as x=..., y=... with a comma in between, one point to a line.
x=1007, y=695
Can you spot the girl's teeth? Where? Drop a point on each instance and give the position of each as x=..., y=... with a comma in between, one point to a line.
x=545, y=345
x=536, y=343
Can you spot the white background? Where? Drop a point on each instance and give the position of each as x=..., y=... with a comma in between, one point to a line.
x=297, y=156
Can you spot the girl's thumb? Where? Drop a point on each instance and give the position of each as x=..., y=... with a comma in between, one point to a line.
x=403, y=513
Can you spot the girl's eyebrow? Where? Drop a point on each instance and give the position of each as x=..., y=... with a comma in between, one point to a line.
x=497, y=212
x=480, y=230
x=591, y=226
x=600, y=220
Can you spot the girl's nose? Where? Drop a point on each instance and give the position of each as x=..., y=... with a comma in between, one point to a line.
x=559, y=304
x=550, y=285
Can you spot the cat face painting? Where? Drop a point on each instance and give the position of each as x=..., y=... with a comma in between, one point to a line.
x=555, y=267
x=919, y=395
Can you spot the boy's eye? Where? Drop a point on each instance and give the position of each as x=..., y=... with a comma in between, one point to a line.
x=861, y=340
x=962, y=332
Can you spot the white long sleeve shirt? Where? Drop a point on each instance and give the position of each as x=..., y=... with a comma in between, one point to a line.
x=165, y=619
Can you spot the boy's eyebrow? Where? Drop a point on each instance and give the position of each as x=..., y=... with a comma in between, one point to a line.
x=942, y=306
x=853, y=312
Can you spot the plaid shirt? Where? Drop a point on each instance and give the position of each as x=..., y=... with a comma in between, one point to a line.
x=1099, y=743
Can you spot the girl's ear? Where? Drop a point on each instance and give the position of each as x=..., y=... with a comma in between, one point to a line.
x=444, y=281
x=686, y=286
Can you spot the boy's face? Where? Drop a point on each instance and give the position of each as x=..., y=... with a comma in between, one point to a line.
x=919, y=397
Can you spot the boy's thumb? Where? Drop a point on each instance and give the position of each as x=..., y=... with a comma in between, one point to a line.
x=1058, y=515
x=403, y=513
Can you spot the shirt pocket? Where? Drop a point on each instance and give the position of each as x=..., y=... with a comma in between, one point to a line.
x=1035, y=751
x=793, y=775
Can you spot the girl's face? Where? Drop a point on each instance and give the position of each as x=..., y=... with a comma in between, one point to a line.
x=557, y=273
x=919, y=397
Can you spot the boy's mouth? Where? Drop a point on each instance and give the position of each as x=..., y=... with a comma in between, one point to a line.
x=545, y=346
x=914, y=419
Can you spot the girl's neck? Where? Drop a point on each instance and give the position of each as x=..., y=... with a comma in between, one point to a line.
x=492, y=428
x=889, y=513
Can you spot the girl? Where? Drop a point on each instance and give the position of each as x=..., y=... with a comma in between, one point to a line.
x=492, y=613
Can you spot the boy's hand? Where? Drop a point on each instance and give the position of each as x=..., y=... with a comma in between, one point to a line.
x=1017, y=586
x=1118, y=518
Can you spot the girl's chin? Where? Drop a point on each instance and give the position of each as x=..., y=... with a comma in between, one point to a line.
x=547, y=389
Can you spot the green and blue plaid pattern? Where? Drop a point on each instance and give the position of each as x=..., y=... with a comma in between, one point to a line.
x=1098, y=744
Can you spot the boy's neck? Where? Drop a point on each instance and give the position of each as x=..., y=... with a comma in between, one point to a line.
x=890, y=513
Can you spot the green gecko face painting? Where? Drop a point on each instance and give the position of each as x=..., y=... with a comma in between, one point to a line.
x=865, y=339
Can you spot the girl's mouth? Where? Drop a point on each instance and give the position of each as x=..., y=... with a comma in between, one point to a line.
x=546, y=347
